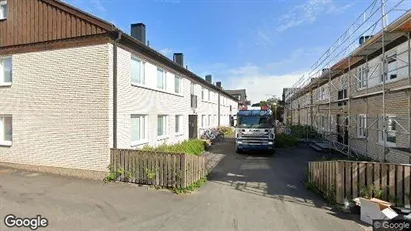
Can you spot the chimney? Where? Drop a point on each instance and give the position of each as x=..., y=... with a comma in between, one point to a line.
x=138, y=31
x=209, y=78
x=179, y=59
x=364, y=38
x=218, y=84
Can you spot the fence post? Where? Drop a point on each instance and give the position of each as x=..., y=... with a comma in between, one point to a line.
x=339, y=189
x=183, y=171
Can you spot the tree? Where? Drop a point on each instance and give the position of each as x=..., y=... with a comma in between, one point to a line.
x=276, y=106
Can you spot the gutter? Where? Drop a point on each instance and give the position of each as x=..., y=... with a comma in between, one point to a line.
x=120, y=33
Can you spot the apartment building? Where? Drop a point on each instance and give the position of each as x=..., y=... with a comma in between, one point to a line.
x=72, y=86
x=362, y=103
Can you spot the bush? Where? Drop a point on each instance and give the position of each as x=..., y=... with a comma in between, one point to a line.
x=227, y=131
x=193, y=147
x=302, y=131
x=285, y=141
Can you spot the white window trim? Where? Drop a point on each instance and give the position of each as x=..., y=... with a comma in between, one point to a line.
x=145, y=139
x=2, y=83
x=165, y=135
x=359, y=116
x=180, y=123
x=142, y=72
x=362, y=72
x=164, y=79
x=204, y=121
x=2, y=141
x=381, y=135
x=180, y=80
x=2, y=4
x=387, y=56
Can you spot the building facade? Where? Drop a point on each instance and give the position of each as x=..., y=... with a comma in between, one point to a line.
x=362, y=104
x=240, y=95
x=72, y=86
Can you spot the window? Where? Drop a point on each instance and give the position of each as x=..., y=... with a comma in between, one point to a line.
x=361, y=125
x=215, y=120
x=161, y=125
x=203, y=121
x=209, y=120
x=177, y=84
x=138, y=128
x=5, y=70
x=391, y=67
x=209, y=96
x=179, y=123
x=192, y=88
x=161, y=79
x=137, y=71
x=202, y=93
x=344, y=82
x=5, y=130
x=390, y=136
x=362, y=79
x=3, y=9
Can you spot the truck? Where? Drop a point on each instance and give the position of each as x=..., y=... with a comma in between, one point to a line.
x=255, y=129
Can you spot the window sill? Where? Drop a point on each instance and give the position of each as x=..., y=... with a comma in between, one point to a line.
x=5, y=84
x=155, y=89
x=387, y=144
x=6, y=143
x=162, y=137
x=3, y=19
x=139, y=143
x=179, y=134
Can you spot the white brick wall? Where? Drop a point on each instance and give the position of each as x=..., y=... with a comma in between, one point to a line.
x=59, y=102
x=149, y=101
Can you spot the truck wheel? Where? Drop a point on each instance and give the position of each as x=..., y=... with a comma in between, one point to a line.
x=272, y=152
x=239, y=151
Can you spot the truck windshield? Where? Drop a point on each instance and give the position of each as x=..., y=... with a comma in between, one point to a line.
x=254, y=122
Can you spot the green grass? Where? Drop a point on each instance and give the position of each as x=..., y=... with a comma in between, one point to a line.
x=192, y=147
x=194, y=186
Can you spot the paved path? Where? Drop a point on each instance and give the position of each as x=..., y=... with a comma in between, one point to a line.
x=244, y=193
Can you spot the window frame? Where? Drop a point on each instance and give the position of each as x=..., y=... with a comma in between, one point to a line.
x=391, y=56
x=178, y=124
x=165, y=127
x=142, y=69
x=361, y=125
x=362, y=78
x=382, y=136
x=4, y=5
x=2, y=71
x=179, y=80
x=3, y=141
x=164, y=79
x=203, y=121
x=143, y=134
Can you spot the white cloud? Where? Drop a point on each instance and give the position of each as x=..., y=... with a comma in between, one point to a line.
x=308, y=12
x=259, y=85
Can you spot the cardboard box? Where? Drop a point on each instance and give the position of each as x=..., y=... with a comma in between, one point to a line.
x=375, y=209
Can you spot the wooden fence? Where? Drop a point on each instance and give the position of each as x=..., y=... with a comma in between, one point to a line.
x=172, y=170
x=351, y=179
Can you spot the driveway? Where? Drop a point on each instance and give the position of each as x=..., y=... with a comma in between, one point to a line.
x=245, y=192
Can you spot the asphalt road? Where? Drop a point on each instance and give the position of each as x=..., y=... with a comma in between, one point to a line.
x=245, y=192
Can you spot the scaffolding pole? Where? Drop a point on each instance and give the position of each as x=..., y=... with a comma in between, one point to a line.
x=384, y=72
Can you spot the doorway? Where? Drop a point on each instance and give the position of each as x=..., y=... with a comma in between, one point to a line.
x=192, y=126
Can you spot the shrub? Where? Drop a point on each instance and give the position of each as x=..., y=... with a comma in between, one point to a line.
x=193, y=147
x=302, y=131
x=285, y=141
x=227, y=131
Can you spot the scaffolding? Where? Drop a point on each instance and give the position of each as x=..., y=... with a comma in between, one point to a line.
x=359, y=66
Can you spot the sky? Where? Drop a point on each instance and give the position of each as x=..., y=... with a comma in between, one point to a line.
x=261, y=46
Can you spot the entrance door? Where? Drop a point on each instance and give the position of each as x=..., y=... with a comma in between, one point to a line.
x=192, y=126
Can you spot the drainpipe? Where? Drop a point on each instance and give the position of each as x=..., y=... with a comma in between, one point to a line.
x=120, y=33
x=218, y=110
